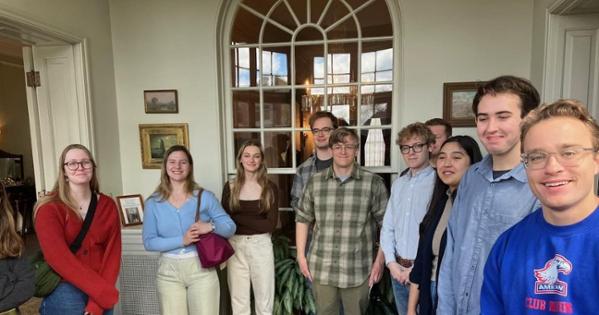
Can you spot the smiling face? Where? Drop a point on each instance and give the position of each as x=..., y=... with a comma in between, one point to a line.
x=251, y=159
x=344, y=153
x=79, y=176
x=498, y=124
x=177, y=166
x=452, y=164
x=561, y=188
x=416, y=160
x=324, y=125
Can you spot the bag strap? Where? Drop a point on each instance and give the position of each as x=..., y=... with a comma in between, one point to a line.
x=200, y=191
x=91, y=210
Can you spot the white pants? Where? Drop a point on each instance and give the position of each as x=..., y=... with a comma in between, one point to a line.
x=184, y=287
x=253, y=262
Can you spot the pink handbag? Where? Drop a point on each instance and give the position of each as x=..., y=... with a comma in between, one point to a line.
x=213, y=249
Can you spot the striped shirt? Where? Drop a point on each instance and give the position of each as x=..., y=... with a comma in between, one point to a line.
x=342, y=248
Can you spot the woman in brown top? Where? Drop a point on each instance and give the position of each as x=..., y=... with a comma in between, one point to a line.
x=251, y=201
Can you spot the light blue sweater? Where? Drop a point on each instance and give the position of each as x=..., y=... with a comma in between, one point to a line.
x=165, y=225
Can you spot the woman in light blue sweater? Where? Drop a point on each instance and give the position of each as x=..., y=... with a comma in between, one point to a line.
x=184, y=287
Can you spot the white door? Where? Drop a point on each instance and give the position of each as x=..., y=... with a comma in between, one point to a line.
x=58, y=110
x=572, y=60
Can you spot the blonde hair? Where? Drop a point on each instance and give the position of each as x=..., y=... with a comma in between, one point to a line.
x=11, y=244
x=61, y=190
x=267, y=198
x=165, y=189
x=568, y=108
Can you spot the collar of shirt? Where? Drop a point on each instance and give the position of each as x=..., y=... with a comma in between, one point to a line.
x=355, y=173
x=485, y=168
x=420, y=173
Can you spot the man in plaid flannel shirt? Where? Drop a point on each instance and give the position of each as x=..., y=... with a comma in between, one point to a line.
x=341, y=202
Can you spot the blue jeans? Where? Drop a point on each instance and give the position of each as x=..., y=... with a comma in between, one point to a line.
x=66, y=299
x=401, y=293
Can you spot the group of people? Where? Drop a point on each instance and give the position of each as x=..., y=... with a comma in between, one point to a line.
x=460, y=233
x=513, y=232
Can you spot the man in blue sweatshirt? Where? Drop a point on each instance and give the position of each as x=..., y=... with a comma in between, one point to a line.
x=547, y=263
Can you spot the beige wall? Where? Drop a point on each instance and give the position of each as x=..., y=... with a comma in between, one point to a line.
x=87, y=19
x=160, y=45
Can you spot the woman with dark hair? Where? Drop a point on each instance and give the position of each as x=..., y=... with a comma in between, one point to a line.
x=251, y=200
x=455, y=157
x=184, y=286
x=89, y=276
x=16, y=275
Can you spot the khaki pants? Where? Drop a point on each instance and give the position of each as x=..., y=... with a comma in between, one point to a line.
x=251, y=266
x=354, y=300
x=184, y=287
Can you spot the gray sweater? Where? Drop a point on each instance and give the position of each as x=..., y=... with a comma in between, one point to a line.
x=17, y=282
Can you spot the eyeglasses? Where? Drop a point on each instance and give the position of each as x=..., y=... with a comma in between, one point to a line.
x=325, y=130
x=568, y=157
x=74, y=165
x=416, y=147
x=348, y=147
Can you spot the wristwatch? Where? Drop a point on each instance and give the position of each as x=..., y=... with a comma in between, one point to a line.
x=213, y=226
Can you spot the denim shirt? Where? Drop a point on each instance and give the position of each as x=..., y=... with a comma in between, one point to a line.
x=164, y=225
x=484, y=208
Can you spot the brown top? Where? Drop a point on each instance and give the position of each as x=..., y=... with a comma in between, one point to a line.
x=248, y=218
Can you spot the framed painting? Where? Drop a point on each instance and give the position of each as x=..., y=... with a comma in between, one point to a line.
x=457, y=103
x=161, y=101
x=155, y=139
x=131, y=209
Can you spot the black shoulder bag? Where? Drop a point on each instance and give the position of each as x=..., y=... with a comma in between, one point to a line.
x=46, y=279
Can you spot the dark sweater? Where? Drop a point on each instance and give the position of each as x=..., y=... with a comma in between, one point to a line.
x=17, y=282
x=249, y=218
x=423, y=265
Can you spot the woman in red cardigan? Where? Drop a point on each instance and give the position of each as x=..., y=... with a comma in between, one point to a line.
x=89, y=275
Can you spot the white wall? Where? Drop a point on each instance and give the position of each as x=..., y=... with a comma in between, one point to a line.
x=87, y=19
x=167, y=45
x=459, y=40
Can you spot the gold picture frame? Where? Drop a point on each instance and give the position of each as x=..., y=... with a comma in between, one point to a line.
x=155, y=139
x=131, y=209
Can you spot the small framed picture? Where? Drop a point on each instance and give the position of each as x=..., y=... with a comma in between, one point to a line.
x=161, y=101
x=131, y=209
x=155, y=139
x=457, y=102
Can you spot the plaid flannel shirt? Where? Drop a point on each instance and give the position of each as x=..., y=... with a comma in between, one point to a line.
x=303, y=173
x=342, y=248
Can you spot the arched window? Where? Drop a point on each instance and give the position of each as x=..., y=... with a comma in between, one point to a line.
x=286, y=59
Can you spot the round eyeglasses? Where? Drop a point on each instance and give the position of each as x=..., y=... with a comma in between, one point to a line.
x=74, y=165
x=568, y=157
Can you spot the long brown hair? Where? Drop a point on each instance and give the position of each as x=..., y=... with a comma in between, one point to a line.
x=267, y=197
x=165, y=189
x=11, y=244
x=61, y=190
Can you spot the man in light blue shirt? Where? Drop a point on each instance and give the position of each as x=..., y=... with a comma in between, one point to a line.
x=410, y=196
x=492, y=196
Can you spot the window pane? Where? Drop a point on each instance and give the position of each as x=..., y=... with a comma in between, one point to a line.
x=375, y=145
x=261, y=6
x=368, y=62
x=246, y=109
x=308, y=34
x=384, y=76
x=308, y=102
x=284, y=183
x=384, y=59
x=376, y=102
x=246, y=28
x=243, y=67
x=299, y=9
x=309, y=63
x=375, y=20
x=277, y=149
x=239, y=138
x=316, y=8
x=282, y=16
x=273, y=34
x=275, y=66
x=335, y=12
x=342, y=103
x=277, y=108
x=304, y=142
x=368, y=77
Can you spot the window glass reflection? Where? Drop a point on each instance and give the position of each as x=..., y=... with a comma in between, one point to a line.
x=274, y=68
x=377, y=65
x=244, y=64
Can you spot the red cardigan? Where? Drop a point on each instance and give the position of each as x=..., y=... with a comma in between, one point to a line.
x=95, y=267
